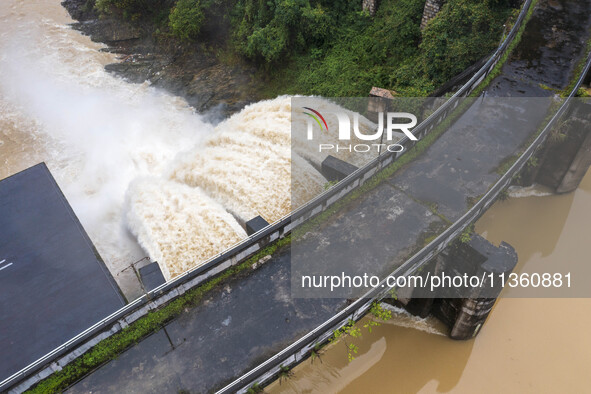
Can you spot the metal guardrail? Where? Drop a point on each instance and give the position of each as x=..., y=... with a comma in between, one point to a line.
x=301, y=348
x=242, y=250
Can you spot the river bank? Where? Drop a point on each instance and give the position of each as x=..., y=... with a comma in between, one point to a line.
x=193, y=72
x=248, y=51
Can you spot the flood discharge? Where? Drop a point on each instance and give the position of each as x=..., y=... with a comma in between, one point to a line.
x=144, y=172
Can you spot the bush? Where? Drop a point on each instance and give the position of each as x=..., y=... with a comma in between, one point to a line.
x=463, y=32
x=186, y=18
x=361, y=52
x=272, y=30
x=269, y=42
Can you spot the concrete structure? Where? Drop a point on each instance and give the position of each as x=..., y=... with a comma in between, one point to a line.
x=379, y=101
x=53, y=283
x=370, y=6
x=464, y=313
x=335, y=169
x=432, y=8
x=256, y=224
x=151, y=276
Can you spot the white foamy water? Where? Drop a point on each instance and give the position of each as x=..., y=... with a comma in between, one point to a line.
x=244, y=166
x=529, y=191
x=139, y=166
x=246, y=163
x=401, y=318
x=180, y=226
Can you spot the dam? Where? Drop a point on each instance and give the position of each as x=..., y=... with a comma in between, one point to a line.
x=176, y=186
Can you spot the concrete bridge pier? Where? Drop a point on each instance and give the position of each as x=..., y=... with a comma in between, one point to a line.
x=463, y=310
x=478, y=257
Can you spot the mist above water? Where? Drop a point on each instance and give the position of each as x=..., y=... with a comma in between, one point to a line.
x=95, y=132
x=101, y=136
x=142, y=170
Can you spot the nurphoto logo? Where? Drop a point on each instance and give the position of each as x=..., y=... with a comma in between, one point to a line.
x=389, y=126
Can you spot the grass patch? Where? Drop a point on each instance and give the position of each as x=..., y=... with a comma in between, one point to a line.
x=466, y=235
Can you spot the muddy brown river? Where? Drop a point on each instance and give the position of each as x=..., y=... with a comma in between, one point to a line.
x=527, y=345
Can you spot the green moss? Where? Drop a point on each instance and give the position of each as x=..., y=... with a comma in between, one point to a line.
x=548, y=88
x=330, y=184
x=254, y=389
x=582, y=92
x=466, y=235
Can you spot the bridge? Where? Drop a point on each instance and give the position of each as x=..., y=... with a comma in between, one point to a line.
x=245, y=329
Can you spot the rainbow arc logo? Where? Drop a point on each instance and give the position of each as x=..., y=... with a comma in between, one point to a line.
x=315, y=117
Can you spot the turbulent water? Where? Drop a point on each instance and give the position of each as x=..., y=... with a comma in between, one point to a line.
x=95, y=132
x=241, y=170
x=144, y=173
x=192, y=210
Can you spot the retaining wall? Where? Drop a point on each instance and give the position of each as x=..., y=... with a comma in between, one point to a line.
x=432, y=8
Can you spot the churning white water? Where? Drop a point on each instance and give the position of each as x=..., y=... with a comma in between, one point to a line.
x=180, y=226
x=242, y=169
x=139, y=166
x=401, y=318
x=244, y=166
x=95, y=131
x=529, y=191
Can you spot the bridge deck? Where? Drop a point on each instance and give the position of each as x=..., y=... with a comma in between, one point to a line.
x=253, y=316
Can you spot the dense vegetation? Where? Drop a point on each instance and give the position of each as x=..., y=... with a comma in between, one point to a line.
x=333, y=48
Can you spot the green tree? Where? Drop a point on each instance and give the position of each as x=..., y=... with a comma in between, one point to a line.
x=129, y=7
x=462, y=32
x=186, y=18
x=271, y=30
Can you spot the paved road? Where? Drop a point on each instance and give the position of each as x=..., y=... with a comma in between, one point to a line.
x=253, y=317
